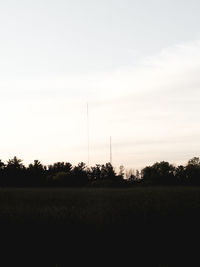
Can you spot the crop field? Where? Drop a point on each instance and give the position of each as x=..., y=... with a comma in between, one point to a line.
x=48, y=217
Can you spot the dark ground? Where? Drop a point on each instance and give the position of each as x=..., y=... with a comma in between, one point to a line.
x=143, y=226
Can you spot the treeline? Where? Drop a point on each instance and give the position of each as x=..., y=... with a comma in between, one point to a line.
x=63, y=174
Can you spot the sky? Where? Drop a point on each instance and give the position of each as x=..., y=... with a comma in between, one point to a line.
x=136, y=64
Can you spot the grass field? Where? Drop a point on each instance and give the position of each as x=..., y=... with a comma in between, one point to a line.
x=167, y=217
x=99, y=207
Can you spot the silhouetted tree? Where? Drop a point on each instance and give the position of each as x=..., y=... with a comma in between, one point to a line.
x=104, y=175
x=130, y=175
x=79, y=175
x=15, y=172
x=159, y=173
x=59, y=167
x=180, y=174
x=2, y=165
x=107, y=172
x=194, y=161
x=36, y=173
x=137, y=175
x=193, y=171
x=121, y=171
x=2, y=168
x=94, y=173
x=15, y=163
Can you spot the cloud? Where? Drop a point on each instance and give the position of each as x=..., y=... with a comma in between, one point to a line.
x=150, y=109
x=157, y=101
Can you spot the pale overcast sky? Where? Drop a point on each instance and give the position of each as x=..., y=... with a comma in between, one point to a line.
x=136, y=63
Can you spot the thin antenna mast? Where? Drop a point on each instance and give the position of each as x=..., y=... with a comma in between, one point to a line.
x=110, y=150
x=88, y=135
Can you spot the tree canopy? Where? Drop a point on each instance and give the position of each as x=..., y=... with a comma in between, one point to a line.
x=15, y=173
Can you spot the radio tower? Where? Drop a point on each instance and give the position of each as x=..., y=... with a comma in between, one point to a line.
x=88, y=136
x=110, y=150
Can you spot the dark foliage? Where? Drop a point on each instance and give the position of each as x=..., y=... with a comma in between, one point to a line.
x=63, y=174
x=161, y=173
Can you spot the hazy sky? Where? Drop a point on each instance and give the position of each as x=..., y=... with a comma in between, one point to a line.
x=137, y=64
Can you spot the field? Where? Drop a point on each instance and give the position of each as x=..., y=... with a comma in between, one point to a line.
x=99, y=208
x=161, y=220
